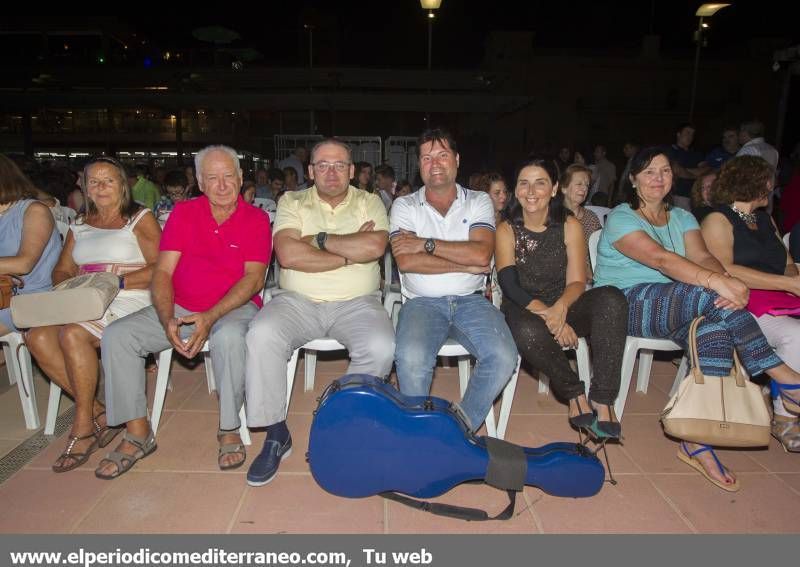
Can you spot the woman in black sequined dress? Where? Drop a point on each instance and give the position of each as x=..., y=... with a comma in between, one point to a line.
x=540, y=254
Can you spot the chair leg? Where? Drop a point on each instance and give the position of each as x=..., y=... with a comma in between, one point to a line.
x=628, y=360
x=212, y=382
x=463, y=373
x=683, y=370
x=584, y=365
x=507, y=401
x=162, y=379
x=291, y=368
x=21, y=369
x=52, y=409
x=244, y=432
x=310, y=370
x=645, y=366
x=544, y=384
x=12, y=376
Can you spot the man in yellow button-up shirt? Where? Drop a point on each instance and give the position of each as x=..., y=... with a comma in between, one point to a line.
x=328, y=238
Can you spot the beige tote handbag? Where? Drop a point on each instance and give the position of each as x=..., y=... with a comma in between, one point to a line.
x=78, y=299
x=726, y=411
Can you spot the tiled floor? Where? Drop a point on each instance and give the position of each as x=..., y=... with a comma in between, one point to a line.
x=180, y=489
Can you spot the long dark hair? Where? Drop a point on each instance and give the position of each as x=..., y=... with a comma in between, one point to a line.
x=14, y=185
x=640, y=162
x=556, y=211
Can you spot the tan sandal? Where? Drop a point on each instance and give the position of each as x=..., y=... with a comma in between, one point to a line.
x=123, y=461
x=230, y=449
x=77, y=458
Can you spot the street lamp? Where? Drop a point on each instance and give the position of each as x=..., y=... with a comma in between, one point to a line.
x=704, y=11
x=430, y=6
x=310, y=29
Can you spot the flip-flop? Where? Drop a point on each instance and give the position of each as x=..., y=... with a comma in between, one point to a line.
x=691, y=460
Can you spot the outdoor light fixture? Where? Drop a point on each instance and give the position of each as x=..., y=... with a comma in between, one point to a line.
x=708, y=10
x=704, y=11
x=430, y=6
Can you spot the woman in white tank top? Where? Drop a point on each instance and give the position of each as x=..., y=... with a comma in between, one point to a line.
x=113, y=236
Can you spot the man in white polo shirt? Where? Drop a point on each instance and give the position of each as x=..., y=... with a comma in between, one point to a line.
x=443, y=241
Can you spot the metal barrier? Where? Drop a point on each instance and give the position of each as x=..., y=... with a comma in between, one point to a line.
x=365, y=148
x=401, y=154
x=398, y=151
x=286, y=143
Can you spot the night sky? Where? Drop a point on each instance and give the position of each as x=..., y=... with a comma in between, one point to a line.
x=393, y=33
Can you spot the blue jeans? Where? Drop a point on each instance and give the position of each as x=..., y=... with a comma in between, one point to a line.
x=425, y=323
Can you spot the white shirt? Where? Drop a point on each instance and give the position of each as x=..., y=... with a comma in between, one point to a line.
x=413, y=213
x=758, y=147
x=294, y=162
x=386, y=198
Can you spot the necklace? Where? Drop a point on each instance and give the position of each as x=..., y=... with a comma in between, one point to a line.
x=671, y=247
x=748, y=218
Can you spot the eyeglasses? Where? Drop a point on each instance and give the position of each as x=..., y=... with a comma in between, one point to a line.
x=323, y=166
x=92, y=182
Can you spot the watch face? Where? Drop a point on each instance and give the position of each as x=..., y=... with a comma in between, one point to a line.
x=429, y=246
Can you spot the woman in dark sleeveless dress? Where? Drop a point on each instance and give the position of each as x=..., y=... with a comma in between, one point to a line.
x=742, y=236
x=540, y=254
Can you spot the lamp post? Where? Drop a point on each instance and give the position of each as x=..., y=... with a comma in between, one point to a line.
x=704, y=11
x=430, y=6
x=310, y=29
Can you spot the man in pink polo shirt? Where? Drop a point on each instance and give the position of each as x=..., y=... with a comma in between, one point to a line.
x=214, y=253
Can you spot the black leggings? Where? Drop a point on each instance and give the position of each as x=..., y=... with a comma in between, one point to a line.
x=601, y=314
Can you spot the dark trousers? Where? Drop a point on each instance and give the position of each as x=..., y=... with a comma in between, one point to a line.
x=600, y=315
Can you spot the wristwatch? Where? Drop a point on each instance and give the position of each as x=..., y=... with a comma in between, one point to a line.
x=322, y=237
x=430, y=245
x=122, y=282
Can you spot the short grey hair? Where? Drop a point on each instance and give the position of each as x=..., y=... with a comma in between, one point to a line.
x=201, y=155
x=754, y=128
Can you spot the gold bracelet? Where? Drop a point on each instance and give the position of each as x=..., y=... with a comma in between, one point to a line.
x=708, y=279
x=697, y=276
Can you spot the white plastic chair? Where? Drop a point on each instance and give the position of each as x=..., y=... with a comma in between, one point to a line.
x=311, y=349
x=266, y=205
x=786, y=240
x=63, y=229
x=601, y=212
x=20, y=372
x=70, y=212
x=632, y=347
x=391, y=291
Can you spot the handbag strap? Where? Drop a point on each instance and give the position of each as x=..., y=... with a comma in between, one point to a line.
x=15, y=282
x=737, y=370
